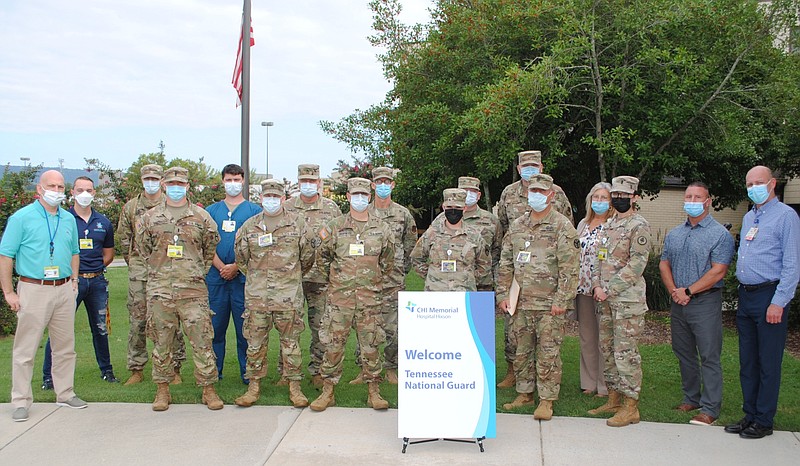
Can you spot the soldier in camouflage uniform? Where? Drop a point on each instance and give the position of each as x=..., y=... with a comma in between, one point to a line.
x=317, y=211
x=137, y=275
x=541, y=252
x=177, y=241
x=357, y=252
x=618, y=286
x=513, y=204
x=449, y=256
x=273, y=250
x=404, y=227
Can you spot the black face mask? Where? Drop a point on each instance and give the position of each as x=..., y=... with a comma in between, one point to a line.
x=621, y=204
x=453, y=216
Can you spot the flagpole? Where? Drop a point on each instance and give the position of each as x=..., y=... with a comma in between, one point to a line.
x=246, y=97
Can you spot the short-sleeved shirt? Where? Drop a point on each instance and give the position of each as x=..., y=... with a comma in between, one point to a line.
x=221, y=214
x=27, y=241
x=101, y=233
x=691, y=250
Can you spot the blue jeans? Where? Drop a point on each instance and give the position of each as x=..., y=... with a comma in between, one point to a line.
x=227, y=300
x=93, y=293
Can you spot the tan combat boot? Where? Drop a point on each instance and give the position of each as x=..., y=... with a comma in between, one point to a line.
x=136, y=377
x=544, y=412
x=316, y=380
x=296, y=395
x=177, y=380
x=374, y=400
x=510, y=379
x=282, y=382
x=211, y=399
x=628, y=414
x=612, y=404
x=359, y=380
x=523, y=399
x=391, y=376
x=163, y=398
x=326, y=398
x=250, y=397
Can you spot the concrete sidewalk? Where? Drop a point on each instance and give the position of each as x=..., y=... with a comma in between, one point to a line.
x=132, y=434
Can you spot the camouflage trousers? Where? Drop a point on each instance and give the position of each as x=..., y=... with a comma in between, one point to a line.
x=315, y=298
x=537, y=363
x=389, y=314
x=166, y=316
x=509, y=345
x=256, y=328
x=137, y=335
x=620, y=327
x=333, y=334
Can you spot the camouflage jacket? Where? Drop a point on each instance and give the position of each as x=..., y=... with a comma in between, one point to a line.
x=487, y=224
x=404, y=227
x=126, y=233
x=355, y=257
x=544, y=257
x=194, y=232
x=623, y=249
x=316, y=215
x=514, y=203
x=274, y=261
x=464, y=247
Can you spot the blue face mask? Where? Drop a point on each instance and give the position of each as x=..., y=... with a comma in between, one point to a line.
x=383, y=190
x=151, y=186
x=600, y=207
x=271, y=204
x=308, y=189
x=472, y=198
x=694, y=209
x=359, y=202
x=176, y=193
x=537, y=201
x=528, y=171
x=758, y=193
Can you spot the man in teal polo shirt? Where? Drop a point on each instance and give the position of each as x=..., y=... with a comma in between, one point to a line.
x=41, y=241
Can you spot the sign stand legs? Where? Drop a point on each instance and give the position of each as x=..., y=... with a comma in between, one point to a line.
x=407, y=442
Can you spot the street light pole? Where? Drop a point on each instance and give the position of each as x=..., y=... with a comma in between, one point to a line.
x=267, y=124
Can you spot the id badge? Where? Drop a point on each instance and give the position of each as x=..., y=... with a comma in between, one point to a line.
x=524, y=257
x=85, y=243
x=51, y=271
x=229, y=226
x=448, y=266
x=174, y=251
x=602, y=254
x=357, y=249
x=751, y=233
x=265, y=240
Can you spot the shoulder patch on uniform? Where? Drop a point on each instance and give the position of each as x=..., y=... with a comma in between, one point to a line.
x=577, y=243
x=324, y=233
x=641, y=240
x=315, y=242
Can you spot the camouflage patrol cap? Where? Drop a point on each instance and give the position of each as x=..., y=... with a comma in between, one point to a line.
x=359, y=185
x=540, y=181
x=454, y=197
x=382, y=172
x=308, y=171
x=176, y=174
x=468, y=182
x=272, y=186
x=529, y=157
x=152, y=171
x=624, y=184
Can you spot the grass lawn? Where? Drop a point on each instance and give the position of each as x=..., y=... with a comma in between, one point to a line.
x=661, y=390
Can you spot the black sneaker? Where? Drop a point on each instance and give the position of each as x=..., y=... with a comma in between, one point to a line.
x=47, y=384
x=108, y=376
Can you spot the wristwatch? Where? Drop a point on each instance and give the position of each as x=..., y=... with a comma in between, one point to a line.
x=688, y=292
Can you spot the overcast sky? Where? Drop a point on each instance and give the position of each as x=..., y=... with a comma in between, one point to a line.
x=109, y=79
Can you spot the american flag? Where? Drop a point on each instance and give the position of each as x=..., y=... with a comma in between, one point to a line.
x=237, y=70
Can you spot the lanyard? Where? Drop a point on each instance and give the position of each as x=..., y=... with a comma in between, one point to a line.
x=53, y=234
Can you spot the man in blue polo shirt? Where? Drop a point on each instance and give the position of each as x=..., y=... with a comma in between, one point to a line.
x=41, y=244
x=225, y=283
x=96, y=244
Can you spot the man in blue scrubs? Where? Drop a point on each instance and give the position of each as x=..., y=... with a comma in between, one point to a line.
x=225, y=283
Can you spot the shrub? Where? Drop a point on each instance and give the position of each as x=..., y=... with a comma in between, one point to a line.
x=658, y=298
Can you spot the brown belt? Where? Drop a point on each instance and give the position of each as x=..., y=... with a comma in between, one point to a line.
x=90, y=275
x=58, y=282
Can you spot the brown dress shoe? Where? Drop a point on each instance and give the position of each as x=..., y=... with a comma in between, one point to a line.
x=703, y=419
x=686, y=407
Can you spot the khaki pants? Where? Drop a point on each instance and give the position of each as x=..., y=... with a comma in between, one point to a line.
x=44, y=306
